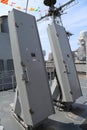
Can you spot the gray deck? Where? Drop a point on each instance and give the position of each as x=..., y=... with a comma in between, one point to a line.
x=74, y=120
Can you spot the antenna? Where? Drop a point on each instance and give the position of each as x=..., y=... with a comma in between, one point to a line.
x=54, y=11
x=27, y=5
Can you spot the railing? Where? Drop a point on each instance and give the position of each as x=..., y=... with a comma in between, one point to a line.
x=7, y=80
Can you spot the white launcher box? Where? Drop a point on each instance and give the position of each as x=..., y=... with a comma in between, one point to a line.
x=34, y=101
x=65, y=68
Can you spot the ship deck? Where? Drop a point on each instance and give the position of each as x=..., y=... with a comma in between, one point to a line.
x=74, y=120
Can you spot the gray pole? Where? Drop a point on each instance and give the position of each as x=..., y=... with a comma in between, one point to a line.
x=27, y=6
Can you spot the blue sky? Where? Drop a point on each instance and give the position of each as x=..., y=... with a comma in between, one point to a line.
x=74, y=21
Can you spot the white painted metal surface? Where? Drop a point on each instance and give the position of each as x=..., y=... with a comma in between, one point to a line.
x=1, y=127
x=33, y=97
x=65, y=68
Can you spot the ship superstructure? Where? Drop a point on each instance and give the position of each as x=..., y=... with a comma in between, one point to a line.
x=60, y=105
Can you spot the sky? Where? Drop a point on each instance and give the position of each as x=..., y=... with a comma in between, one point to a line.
x=74, y=19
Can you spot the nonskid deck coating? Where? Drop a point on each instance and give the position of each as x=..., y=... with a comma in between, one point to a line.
x=60, y=121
